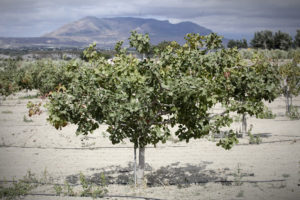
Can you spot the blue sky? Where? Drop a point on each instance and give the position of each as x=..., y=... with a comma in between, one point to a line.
x=231, y=18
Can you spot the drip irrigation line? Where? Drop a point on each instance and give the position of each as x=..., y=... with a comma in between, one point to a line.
x=109, y=196
x=196, y=182
x=287, y=135
x=84, y=148
x=23, y=125
x=270, y=142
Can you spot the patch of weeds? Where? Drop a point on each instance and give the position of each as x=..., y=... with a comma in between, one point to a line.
x=25, y=119
x=45, y=178
x=19, y=188
x=88, y=189
x=240, y=194
x=267, y=114
x=58, y=189
x=253, y=139
x=29, y=96
x=68, y=190
x=294, y=113
x=6, y=112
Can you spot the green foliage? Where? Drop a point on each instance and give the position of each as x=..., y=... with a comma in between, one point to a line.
x=140, y=99
x=263, y=39
x=8, y=69
x=273, y=54
x=68, y=190
x=290, y=74
x=140, y=42
x=58, y=189
x=238, y=44
x=294, y=114
x=159, y=48
x=253, y=139
x=267, y=40
x=266, y=114
x=89, y=189
x=297, y=39
x=229, y=141
x=29, y=97
x=282, y=41
x=90, y=54
x=19, y=188
x=34, y=108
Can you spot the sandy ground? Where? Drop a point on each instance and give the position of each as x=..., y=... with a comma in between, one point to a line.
x=175, y=170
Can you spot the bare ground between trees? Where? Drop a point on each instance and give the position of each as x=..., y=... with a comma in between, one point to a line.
x=175, y=170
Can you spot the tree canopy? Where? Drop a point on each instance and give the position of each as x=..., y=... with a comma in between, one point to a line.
x=141, y=99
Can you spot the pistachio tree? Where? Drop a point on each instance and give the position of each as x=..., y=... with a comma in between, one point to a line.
x=140, y=100
x=290, y=76
x=250, y=85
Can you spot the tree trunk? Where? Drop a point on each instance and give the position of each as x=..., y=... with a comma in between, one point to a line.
x=141, y=167
x=134, y=166
x=288, y=104
x=287, y=97
x=244, y=125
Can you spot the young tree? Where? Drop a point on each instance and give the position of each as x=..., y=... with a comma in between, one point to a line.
x=290, y=74
x=140, y=99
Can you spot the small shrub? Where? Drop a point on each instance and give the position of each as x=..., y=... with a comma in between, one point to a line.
x=267, y=114
x=294, y=113
x=253, y=139
x=68, y=190
x=58, y=189
x=19, y=188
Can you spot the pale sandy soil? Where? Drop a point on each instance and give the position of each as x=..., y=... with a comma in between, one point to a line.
x=270, y=170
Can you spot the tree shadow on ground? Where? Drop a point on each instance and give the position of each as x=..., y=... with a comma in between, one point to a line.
x=263, y=135
x=173, y=174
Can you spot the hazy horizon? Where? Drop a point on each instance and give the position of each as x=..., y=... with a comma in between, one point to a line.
x=231, y=18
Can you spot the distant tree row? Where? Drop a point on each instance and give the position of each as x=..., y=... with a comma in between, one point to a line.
x=268, y=40
x=240, y=44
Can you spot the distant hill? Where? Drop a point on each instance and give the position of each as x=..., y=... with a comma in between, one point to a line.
x=107, y=31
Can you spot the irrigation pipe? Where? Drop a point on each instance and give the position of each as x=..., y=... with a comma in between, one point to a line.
x=110, y=196
x=83, y=148
x=270, y=142
x=200, y=182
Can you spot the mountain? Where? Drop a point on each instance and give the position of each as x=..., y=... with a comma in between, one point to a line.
x=107, y=31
